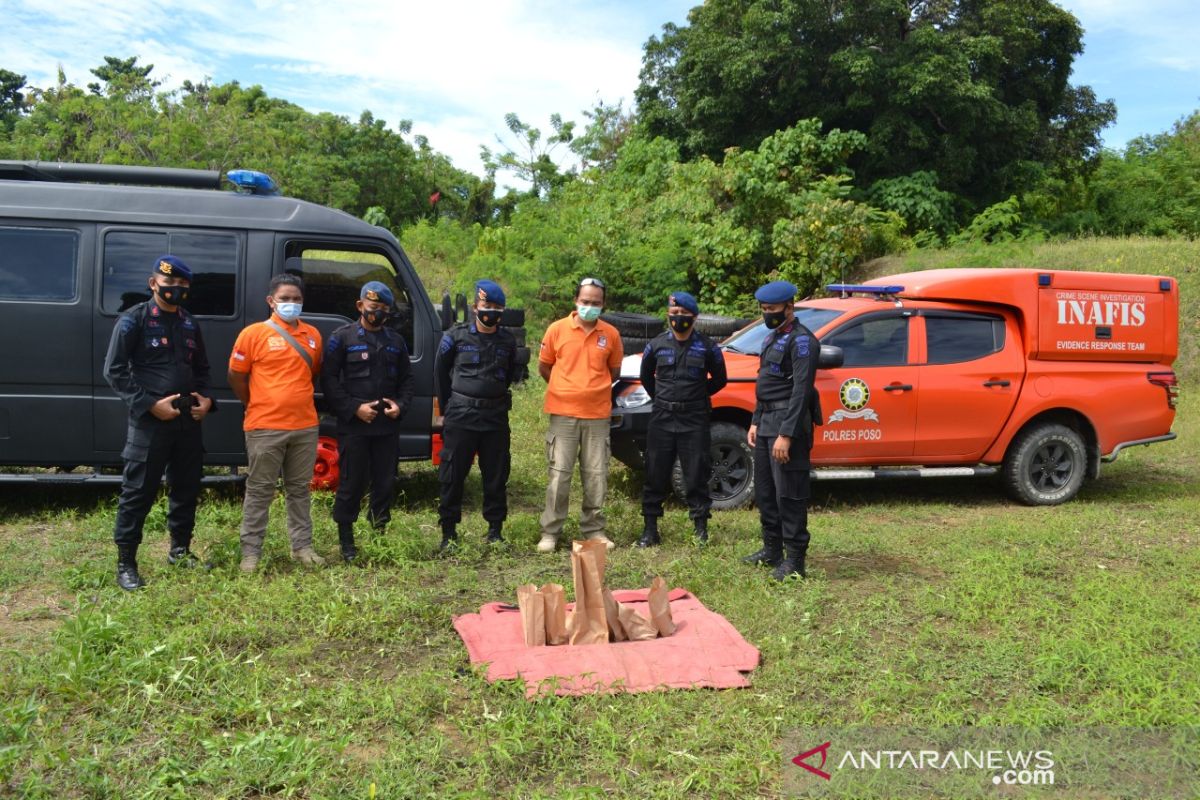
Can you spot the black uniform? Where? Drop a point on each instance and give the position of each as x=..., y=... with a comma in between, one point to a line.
x=681, y=376
x=474, y=373
x=153, y=354
x=787, y=405
x=363, y=366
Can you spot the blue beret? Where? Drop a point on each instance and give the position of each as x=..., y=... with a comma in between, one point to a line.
x=489, y=291
x=379, y=292
x=684, y=300
x=776, y=292
x=173, y=267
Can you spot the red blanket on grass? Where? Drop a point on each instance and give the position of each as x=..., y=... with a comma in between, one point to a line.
x=704, y=651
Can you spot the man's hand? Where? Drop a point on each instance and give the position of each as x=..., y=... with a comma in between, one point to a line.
x=200, y=406
x=752, y=435
x=781, y=449
x=366, y=412
x=164, y=409
x=393, y=408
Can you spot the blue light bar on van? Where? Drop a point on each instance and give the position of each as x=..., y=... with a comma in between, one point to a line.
x=252, y=181
x=852, y=288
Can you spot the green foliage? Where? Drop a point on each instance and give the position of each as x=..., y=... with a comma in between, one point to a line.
x=532, y=158
x=1001, y=222
x=918, y=200
x=977, y=92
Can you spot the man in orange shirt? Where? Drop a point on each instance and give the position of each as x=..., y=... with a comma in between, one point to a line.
x=271, y=371
x=580, y=358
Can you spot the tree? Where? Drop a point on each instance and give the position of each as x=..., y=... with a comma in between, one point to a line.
x=12, y=100
x=975, y=91
x=532, y=158
x=123, y=77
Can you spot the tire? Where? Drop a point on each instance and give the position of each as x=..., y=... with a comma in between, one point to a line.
x=718, y=326
x=641, y=326
x=519, y=335
x=522, y=374
x=513, y=318
x=632, y=345
x=446, y=312
x=461, y=314
x=1045, y=465
x=522, y=356
x=732, y=484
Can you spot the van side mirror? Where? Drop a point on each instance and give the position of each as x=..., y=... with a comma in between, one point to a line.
x=830, y=358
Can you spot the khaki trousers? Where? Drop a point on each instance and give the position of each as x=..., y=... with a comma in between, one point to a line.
x=271, y=453
x=570, y=439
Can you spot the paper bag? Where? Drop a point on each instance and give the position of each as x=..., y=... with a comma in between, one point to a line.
x=637, y=627
x=660, y=607
x=612, y=611
x=555, y=600
x=533, y=615
x=588, y=623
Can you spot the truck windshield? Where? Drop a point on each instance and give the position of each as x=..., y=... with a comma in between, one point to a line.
x=749, y=339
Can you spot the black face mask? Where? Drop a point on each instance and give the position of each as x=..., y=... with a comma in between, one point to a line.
x=774, y=318
x=489, y=317
x=680, y=323
x=172, y=295
x=376, y=317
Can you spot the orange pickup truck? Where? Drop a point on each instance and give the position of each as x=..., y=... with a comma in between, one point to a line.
x=1038, y=375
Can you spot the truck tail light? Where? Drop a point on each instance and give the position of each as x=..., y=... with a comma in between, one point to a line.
x=1168, y=381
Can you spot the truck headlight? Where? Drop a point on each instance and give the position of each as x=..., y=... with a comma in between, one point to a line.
x=634, y=396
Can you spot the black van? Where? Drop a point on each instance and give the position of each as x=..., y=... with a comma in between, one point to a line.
x=76, y=246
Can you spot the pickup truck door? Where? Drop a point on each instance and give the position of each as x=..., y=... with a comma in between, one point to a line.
x=869, y=403
x=971, y=374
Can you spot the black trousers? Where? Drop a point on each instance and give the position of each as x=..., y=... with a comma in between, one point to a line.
x=459, y=446
x=152, y=447
x=781, y=492
x=693, y=448
x=364, y=460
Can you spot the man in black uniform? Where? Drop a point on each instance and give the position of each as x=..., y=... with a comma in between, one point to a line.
x=681, y=370
x=156, y=363
x=782, y=432
x=368, y=384
x=475, y=365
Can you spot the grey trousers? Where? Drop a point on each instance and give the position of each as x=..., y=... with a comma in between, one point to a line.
x=570, y=439
x=271, y=453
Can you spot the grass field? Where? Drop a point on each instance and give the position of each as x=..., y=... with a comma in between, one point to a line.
x=929, y=603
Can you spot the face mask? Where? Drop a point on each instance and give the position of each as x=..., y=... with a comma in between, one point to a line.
x=172, y=295
x=376, y=317
x=680, y=323
x=774, y=318
x=288, y=311
x=588, y=313
x=489, y=317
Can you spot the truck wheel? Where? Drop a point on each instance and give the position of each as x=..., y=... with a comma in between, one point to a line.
x=719, y=326
x=633, y=346
x=513, y=318
x=732, y=482
x=638, y=326
x=1045, y=466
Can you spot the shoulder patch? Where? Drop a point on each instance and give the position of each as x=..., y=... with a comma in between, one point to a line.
x=447, y=344
x=126, y=323
x=333, y=344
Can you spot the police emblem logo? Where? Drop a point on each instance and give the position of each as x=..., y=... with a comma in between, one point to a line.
x=481, y=294
x=154, y=342
x=854, y=394
x=163, y=267
x=372, y=294
x=312, y=343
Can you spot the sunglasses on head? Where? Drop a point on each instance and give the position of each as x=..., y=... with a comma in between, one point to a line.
x=599, y=284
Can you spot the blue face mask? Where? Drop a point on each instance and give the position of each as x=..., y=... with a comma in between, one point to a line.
x=588, y=313
x=288, y=312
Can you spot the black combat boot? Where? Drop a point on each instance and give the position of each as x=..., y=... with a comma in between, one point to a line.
x=792, y=565
x=649, y=536
x=180, y=553
x=701, y=531
x=765, y=557
x=346, y=540
x=493, y=534
x=127, y=571
x=449, y=537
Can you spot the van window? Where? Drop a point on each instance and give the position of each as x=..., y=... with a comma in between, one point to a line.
x=130, y=256
x=38, y=264
x=879, y=342
x=951, y=340
x=334, y=275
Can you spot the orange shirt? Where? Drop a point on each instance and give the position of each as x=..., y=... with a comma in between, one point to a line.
x=581, y=382
x=281, y=384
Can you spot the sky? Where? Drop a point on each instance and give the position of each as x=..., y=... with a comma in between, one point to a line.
x=456, y=68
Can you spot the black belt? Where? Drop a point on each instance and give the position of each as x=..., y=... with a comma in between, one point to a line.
x=688, y=405
x=481, y=402
x=775, y=405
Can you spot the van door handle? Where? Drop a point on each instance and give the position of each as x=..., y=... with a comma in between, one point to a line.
x=898, y=387
x=997, y=383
